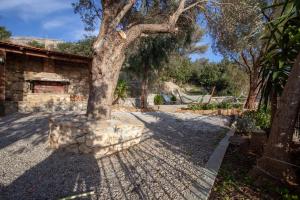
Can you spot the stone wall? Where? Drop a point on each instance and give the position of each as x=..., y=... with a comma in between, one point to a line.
x=102, y=138
x=22, y=71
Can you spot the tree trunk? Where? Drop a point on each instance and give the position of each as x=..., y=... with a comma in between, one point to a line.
x=274, y=104
x=277, y=153
x=105, y=70
x=253, y=90
x=144, y=88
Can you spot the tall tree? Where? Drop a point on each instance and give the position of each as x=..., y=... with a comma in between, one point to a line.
x=4, y=33
x=236, y=26
x=284, y=37
x=123, y=22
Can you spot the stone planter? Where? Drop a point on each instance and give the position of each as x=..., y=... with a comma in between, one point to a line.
x=79, y=135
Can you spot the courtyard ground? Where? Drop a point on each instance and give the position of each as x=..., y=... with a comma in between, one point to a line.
x=168, y=164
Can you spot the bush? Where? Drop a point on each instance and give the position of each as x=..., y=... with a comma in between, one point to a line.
x=252, y=120
x=245, y=124
x=158, y=99
x=173, y=98
x=121, y=90
x=213, y=106
x=262, y=117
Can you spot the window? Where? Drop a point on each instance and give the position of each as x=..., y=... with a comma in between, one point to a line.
x=49, y=87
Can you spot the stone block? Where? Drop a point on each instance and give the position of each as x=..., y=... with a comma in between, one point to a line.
x=99, y=137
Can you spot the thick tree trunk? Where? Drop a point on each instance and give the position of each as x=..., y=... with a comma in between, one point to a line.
x=105, y=70
x=253, y=91
x=109, y=52
x=277, y=153
x=144, y=88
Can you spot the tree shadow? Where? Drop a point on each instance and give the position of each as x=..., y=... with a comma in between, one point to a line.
x=60, y=175
x=20, y=126
x=168, y=164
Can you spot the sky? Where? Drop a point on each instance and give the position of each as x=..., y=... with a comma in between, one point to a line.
x=55, y=19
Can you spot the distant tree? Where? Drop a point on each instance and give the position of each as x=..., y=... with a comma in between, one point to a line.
x=151, y=55
x=4, y=33
x=178, y=69
x=236, y=27
x=82, y=47
x=226, y=77
x=36, y=44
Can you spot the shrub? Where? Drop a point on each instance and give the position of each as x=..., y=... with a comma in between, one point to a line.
x=245, y=124
x=213, y=106
x=173, y=98
x=225, y=105
x=262, y=117
x=252, y=120
x=158, y=99
x=121, y=90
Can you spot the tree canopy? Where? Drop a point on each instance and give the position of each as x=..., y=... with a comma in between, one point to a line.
x=4, y=33
x=82, y=47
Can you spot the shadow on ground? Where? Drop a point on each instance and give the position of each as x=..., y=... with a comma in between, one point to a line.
x=166, y=165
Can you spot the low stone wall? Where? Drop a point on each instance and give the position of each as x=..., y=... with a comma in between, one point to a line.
x=77, y=134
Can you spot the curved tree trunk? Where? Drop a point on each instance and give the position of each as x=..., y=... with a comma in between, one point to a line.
x=277, y=152
x=109, y=52
x=105, y=70
x=253, y=90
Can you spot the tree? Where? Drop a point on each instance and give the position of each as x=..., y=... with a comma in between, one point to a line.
x=149, y=54
x=153, y=56
x=36, y=44
x=178, y=69
x=236, y=27
x=4, y=33
x=284, y=38
x=122, y=23
x=82, y=47
x=225, y=76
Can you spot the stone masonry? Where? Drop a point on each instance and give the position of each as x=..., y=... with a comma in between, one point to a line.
x=77, y=134
x=22, y=72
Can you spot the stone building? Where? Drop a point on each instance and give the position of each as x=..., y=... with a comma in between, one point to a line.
x=33, y=79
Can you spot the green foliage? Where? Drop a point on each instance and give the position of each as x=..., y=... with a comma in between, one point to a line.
x=245, y=124
x=4, y=33
x=214, y=106
x=36, y=44
x=261, y=117
x=173, y=98
x=227, y=77
x=121, y=89
x=179, y=69
x=158, y=99
x=82, y=47
x=252, y=120
x=283, y=44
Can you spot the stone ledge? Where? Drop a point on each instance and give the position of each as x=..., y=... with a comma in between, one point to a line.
x=79, y=135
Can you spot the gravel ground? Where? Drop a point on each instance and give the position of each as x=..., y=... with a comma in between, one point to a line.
x=165, y=165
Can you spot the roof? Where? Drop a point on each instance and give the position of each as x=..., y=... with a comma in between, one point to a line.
x=44, y=53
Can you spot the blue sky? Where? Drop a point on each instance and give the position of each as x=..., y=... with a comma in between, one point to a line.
x=54, y=19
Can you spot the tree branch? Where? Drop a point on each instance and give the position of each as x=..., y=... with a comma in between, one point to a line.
x=168, y=27
x=121, y=14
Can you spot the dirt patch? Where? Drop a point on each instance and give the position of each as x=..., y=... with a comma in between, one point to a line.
x=233, y=181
